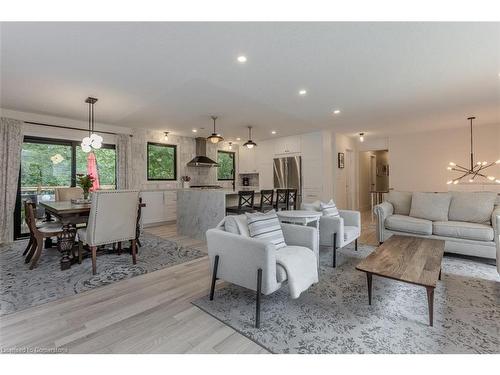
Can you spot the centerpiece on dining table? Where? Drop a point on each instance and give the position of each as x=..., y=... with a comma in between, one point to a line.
x=85, y=181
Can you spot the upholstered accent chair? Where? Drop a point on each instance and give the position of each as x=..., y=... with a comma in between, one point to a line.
x=237, y=258
x=68, y=193
x=337, y=231
x=112, y=218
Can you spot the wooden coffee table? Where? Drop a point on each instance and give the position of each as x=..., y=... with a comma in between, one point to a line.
x=412, y=260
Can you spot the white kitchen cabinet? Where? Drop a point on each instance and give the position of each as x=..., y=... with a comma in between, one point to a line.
x=161, y=206
x=287, y=145
x=247, y=161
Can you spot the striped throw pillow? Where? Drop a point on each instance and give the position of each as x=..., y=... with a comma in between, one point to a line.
x=266, y=226
x=329, y=209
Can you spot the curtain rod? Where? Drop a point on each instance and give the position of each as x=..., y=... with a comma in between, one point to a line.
x=69, y=127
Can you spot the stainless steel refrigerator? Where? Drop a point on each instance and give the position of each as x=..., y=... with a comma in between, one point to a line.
x=288, y=175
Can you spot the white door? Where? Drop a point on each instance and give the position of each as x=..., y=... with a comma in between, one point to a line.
x=350, y=179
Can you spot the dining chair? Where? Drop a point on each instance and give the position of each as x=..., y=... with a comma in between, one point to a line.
x=38, y=234
x=112, y=219
x=69, y=193
x=281, y=199
x=245, y=203
x=291, y=199
x=266, y=200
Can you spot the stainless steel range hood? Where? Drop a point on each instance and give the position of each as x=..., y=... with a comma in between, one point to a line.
x=201, y=159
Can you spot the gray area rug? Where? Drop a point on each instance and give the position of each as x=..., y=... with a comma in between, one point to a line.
x=333, y=316
x=21, y=288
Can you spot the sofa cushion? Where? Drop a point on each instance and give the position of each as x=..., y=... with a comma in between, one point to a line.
x=236, y=224
x=461, y=229
x=329, y=209
x=474, y=207
x=314, y=206
x=430, y=206
x=267, y=227
x=408, y=224
x=350, y=233
x=400, y=200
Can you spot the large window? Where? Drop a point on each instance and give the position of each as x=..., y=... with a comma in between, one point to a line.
x=47, y=164
x=162, y=161
x=225, y=159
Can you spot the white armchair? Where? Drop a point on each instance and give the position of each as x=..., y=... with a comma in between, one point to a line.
x=337, y=232
x=251, y=263
x=112, y=218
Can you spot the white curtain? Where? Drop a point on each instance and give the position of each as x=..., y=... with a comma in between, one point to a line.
x=11, y=141
x=124, y=161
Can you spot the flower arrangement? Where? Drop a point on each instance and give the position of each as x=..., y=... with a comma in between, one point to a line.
x=86, y=181
x=185, y=181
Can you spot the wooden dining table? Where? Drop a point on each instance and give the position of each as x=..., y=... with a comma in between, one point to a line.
x=69, y=214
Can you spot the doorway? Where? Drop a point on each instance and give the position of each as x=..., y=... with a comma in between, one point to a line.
x=373, y=177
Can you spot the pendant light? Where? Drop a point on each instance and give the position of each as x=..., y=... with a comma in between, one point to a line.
x=249, y=143
x=215, y=138
x=93, y=141
x=475, y=169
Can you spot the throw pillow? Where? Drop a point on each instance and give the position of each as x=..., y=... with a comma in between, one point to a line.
x=401, y=201
x=266, y=226
x=329, y=209
x=472, y=207
x=430, y=206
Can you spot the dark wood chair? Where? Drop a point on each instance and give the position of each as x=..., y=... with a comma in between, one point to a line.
x=38, y=234
x=281, y=199
x=266, y=200
x=292, y=199
x=245, y=203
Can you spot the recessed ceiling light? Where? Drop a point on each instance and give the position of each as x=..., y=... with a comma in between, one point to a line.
x=194, y=131
x=242, y=59
x=238, y=139
x=273, y=132
x=336, y=112
x=302, y=92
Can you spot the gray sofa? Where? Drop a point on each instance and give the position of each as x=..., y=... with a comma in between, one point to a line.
x=469, y=222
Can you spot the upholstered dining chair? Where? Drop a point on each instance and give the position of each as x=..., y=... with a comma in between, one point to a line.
x=245, y=203
x=266, y=200
x=68, y=193
x=112, y=218
x=37, y=234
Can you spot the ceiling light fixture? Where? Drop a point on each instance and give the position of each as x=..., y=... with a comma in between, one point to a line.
x=475, y=168
x=361, y=137
x=165, y=137
x=215, y=138
x=273, y=132
x=194, y=131
x=336, y=112
x=93, y=140
x=249, y=143
x=238, y=139
x=302, y=92
x=242, y=59
x=230, y=145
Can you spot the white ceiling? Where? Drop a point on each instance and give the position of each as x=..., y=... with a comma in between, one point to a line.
x=384, y=77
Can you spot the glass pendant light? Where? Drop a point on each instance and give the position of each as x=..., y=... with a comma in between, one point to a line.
x=249, y=143
x=93, y=140
x=215, y=138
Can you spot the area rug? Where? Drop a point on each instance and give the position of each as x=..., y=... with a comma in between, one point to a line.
x=21, y=288
x=333, y=316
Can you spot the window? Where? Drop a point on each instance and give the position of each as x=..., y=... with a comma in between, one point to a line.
x=47, y=164
x=162, y=161
x=225, y=159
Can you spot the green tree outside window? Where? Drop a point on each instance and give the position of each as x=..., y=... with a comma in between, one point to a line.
x=225, y=171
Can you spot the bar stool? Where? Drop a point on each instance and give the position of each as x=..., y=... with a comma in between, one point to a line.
x=292, y=199
x=281, y=199
x=245, y=203
x=266, y=200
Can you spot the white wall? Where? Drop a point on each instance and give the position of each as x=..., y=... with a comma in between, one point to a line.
x=343, y=143
x=418, y=161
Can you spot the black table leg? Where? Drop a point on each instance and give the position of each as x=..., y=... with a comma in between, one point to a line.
x=430, y=301
x=65, y=243
x=369, y=280
x=439, y=277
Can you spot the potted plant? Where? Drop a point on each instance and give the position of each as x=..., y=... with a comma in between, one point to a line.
x=85, y=181
x=185, y=181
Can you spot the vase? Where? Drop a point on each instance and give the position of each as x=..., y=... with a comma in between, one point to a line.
x=185, y=184
x=86, y=194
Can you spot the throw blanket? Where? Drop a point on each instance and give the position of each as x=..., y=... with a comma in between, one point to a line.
x=301, y=268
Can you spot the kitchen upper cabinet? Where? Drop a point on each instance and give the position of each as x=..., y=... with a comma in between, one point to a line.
x=287, y=145
x=247, y=162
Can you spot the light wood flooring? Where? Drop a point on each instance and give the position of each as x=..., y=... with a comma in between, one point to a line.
x=151, y=313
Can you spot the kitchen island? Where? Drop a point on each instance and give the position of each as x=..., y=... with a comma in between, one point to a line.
x=201, y=209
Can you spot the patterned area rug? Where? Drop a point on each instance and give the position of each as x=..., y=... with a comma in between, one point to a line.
x=333, y=316
x=21, y=288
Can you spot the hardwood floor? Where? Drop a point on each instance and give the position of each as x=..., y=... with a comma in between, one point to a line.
x=150, y=313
